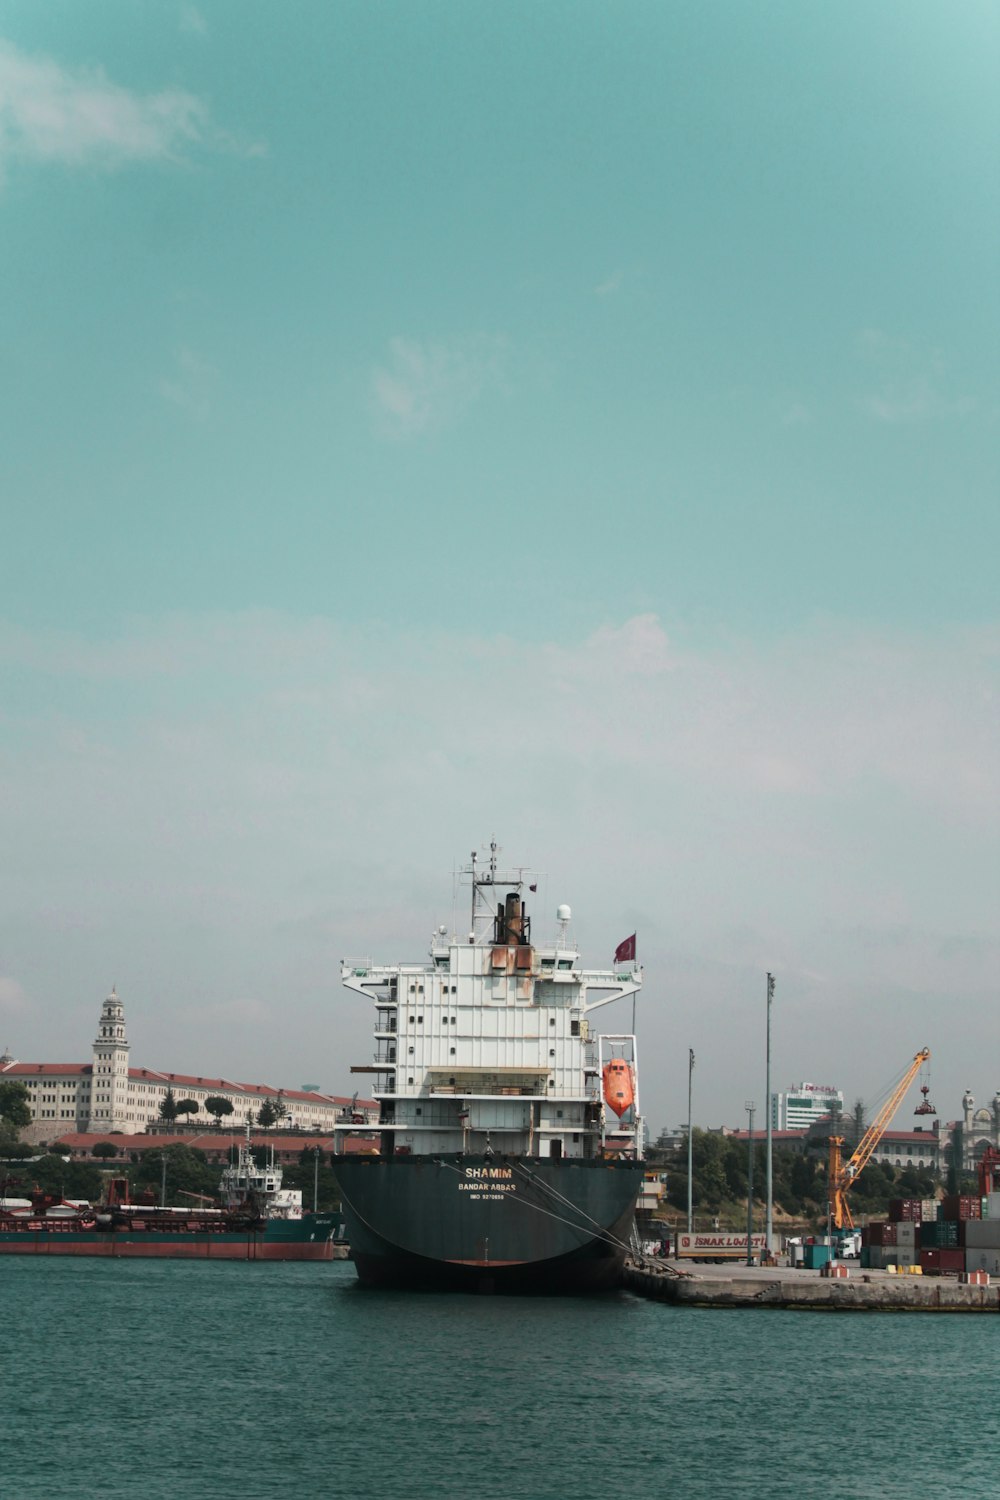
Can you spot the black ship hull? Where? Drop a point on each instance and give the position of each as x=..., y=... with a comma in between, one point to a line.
x=489, y=1224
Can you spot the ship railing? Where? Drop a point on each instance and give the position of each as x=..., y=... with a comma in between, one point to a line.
x=368, y=968
x=612, y=977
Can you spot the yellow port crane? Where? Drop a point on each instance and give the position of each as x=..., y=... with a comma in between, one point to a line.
x=842, y=1175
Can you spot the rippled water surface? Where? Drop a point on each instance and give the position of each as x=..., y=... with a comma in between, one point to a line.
x=162, y=1379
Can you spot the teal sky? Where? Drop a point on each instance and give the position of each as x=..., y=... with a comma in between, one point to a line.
x=577, y=422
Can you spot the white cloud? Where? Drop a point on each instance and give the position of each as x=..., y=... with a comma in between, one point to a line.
x=192, y=21
x=192, y=384
x=796, y=414
x=423, y=386
x=913, y=385
x=610, y=284
x=78, y=116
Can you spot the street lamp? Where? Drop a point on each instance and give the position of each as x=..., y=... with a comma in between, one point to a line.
x=750, y=1107
x=690, y=1156
x=769, y=1109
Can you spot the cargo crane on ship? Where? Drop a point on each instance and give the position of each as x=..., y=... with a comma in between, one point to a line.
x=843, y=1175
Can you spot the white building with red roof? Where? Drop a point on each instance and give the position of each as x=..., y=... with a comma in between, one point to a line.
x=107, y=1097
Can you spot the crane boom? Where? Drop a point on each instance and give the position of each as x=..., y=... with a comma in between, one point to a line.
x=843, y=1174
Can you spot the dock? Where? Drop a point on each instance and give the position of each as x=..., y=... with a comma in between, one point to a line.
x=768, y=1286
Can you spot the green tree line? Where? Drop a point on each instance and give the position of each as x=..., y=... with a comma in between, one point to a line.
x=720, y=1171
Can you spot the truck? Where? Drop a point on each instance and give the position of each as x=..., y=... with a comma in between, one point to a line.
x=719, y=1246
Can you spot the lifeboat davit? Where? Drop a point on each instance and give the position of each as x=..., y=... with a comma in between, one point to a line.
x=619, y=1088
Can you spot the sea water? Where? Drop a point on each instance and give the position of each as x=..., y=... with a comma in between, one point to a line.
x=163, y=1379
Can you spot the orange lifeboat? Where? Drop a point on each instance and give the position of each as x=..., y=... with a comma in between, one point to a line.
x=619, y=1089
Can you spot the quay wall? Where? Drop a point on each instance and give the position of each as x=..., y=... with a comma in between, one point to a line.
x=808, y=1290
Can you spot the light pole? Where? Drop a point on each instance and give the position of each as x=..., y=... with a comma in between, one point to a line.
x=769, y=1212
x=690, y=1183
x=750, y=1107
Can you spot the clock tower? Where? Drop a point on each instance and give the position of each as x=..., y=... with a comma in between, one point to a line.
x=109, y=1083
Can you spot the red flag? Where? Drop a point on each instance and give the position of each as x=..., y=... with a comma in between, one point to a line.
x=625, y=950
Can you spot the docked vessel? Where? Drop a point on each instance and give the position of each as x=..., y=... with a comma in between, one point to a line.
x=257, y=1219
x=507, y=1155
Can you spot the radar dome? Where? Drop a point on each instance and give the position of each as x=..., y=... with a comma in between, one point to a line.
x=563, y=913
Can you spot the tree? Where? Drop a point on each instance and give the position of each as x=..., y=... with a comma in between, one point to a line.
x=15, y=1150
x=280, y=1108
x=217, y=1105
x=70, y=1179
x=15, y=1115
x=168, y=1106
x=15, y=1105
x=187, y=1172
x=104, y=1149
x=267, y=1115
x=187, y=1107
x=305, y=1177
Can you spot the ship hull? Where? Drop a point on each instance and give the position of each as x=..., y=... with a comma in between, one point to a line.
x=498, y=1224
x=308, y=1238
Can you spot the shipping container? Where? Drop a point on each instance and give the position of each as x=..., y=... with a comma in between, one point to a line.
x=991, y=1206
x=815, y=1256
x=944, y=1234
x=881, y=1233
x=983, y=1260
x=942, y=1262
x=906, y=1210
x=929, y=1210
x=982, y=1234
x=961, y=1206
x=907, y=1233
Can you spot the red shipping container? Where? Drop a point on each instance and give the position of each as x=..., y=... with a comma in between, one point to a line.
x=961, y=1206
x=906, y=1210
x=881, y=1234
x=942, y=1262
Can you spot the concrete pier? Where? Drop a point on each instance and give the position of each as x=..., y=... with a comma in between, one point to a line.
x=685, y=1285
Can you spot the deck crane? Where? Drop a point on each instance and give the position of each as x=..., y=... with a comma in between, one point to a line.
x=842, y=1175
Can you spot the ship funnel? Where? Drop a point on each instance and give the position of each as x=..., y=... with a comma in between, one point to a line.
x=513, y=918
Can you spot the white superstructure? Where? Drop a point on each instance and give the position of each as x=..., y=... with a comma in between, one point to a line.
x=488, y=1045
x=245, y=1180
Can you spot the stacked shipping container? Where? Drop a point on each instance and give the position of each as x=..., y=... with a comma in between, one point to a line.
x=960, y=1234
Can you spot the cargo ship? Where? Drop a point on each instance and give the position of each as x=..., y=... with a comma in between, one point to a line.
x=256, y=1219
x=508, y=1151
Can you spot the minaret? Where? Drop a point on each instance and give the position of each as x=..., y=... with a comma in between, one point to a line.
x=968, y=1143
x=109, y=1084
